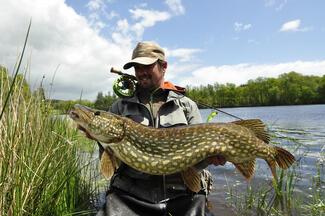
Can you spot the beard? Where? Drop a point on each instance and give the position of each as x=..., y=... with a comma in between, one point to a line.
x=148, y=83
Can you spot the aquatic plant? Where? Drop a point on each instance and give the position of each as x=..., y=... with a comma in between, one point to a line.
x=41, y=172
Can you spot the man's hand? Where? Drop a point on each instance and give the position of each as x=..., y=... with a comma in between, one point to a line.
x=217, y=160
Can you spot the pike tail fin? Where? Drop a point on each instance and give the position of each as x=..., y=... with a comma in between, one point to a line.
x=283, y=158
x=256, y=126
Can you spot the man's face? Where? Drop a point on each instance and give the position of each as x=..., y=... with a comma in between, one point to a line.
x=150, y=76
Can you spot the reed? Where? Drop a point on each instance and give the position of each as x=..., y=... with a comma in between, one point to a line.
x=316, y=204
x=41, y=171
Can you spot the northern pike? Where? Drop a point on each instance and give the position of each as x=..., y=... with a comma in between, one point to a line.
x=166, y=151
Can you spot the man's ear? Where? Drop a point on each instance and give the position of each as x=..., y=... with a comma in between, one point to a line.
x=164, y=66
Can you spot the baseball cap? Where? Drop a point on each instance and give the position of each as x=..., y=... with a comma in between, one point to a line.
x=145, y=53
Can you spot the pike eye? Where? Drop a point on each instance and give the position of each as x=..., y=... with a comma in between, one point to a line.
x=97, y=113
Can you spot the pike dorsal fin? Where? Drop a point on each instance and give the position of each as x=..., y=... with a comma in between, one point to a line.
x=108, y=164
x=257, y=126
x=192, y=179
x=246, y=168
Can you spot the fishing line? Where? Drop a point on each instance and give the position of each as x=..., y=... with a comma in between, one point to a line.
x=219, y=110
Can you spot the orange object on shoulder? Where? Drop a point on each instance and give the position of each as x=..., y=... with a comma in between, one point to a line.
x=170, y=86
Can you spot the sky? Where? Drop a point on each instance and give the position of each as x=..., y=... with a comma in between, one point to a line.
x=73, y=43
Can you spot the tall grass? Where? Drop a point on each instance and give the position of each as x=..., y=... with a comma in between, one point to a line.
x=41, y=172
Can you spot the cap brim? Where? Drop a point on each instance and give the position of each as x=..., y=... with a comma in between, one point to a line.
x=140, y=60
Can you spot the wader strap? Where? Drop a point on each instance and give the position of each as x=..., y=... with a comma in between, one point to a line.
x=164, y=186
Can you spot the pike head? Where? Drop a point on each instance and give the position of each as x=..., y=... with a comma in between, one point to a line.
x=98, y=125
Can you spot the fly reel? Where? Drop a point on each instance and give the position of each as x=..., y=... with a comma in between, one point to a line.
x=125, y=85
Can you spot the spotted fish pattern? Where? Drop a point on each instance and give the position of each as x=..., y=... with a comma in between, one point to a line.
x=166, y=151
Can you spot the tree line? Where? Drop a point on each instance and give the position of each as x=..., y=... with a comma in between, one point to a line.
x=288, y=89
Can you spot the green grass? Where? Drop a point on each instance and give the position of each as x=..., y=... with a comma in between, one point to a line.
x=41, y=170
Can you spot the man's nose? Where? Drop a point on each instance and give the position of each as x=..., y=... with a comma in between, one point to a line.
x=142, y=71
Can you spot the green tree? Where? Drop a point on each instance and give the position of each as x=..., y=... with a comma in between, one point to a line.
x=103, y=102
x=288, y=89
x=321, y=90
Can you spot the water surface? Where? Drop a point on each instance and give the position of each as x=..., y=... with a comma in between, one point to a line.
x=293, y=127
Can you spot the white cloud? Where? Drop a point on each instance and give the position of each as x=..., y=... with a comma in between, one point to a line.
x=126, y=32
x=294, y=26
x=182, y=54
x=59, y=36
x=241, y=73
x=110, y=15
x=281, y=5
x=278, y=4
x=122, y=26
x=95, y=4
x=146, y=18
x=176, y=6
x=291, y=25
x=238, y=27
x=122, y=33
x=178, y=69
x=96, y=8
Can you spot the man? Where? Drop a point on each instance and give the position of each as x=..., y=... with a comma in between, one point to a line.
x=156, y=103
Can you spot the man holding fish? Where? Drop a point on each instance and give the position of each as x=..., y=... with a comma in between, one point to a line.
x=154, y=151
x=160, y=104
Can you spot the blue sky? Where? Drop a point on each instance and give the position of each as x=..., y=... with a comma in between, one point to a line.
x=75, y=42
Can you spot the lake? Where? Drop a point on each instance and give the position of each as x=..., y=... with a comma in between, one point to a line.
x=294, y=127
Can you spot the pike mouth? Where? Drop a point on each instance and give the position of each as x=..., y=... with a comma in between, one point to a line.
x=81, y=128
x=85, y=132
x=74, y=115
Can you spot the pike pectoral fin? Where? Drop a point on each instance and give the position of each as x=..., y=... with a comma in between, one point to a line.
x=257, y=126
x=192, y=179
x=108, y=164
x=246, y=168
